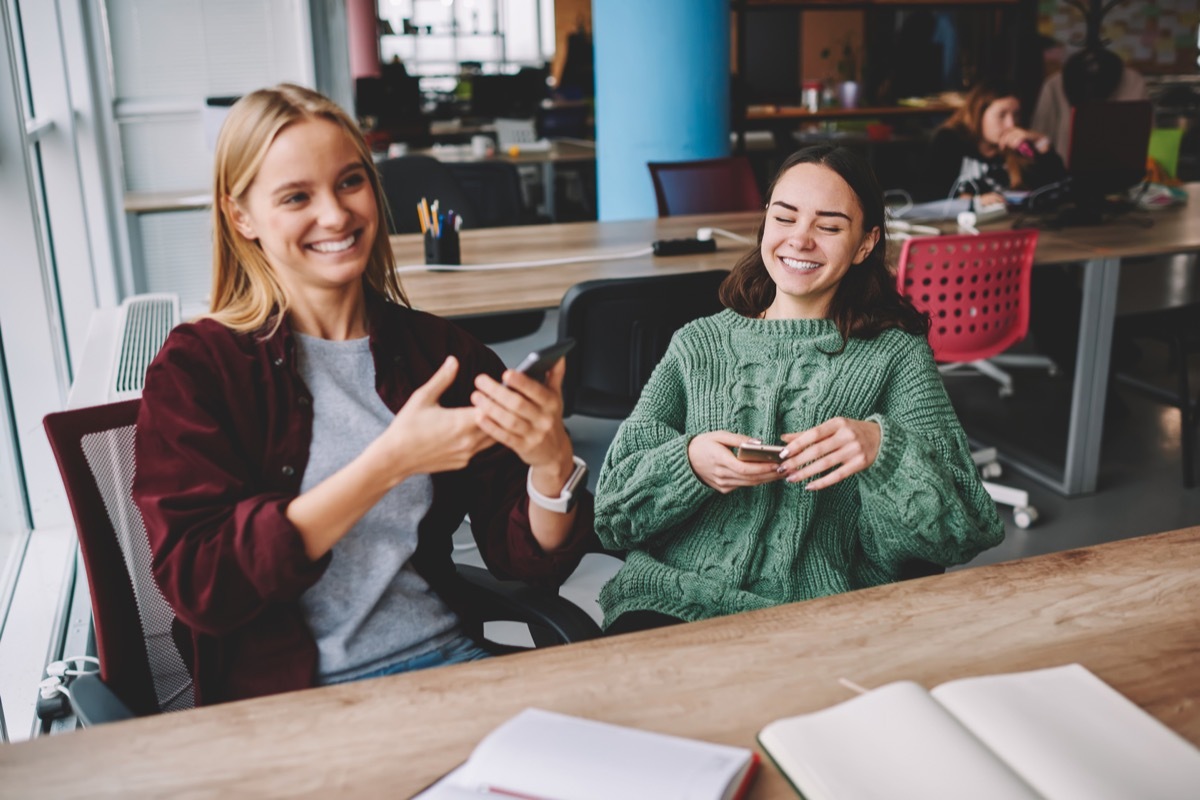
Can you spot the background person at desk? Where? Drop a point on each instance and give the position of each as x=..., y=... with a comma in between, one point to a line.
x=299, y=479
x=816, y=348
x=981, y=151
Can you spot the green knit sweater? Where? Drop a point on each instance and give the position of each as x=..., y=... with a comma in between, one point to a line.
x=695, y=553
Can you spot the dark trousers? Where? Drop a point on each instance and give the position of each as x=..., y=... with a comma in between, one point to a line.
x=632, y=621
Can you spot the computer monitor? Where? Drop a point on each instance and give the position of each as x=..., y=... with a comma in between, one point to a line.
x=517, y=95
x=1109, y=142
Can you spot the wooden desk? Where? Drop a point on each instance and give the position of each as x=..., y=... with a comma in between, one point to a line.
x=1129, y=611
x=798, y=114
x=457, y=294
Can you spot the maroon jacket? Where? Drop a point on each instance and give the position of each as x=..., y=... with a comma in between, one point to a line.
x=223, y=437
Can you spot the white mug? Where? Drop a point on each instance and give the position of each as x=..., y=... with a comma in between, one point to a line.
x=481, y=145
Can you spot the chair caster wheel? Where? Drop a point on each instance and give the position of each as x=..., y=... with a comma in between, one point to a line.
x=1005, y=391
x=991, y=471
x=1025, y=516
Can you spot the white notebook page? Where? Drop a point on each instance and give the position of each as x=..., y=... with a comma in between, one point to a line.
x=548, y=755
x=1071, y=735
x=892, y=743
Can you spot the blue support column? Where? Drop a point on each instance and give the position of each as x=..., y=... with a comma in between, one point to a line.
x=662, y=93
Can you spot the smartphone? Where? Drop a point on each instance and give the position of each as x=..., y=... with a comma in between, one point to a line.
x=752, y=451
x=539, y=362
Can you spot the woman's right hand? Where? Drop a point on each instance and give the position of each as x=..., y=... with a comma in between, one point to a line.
x=716, y=466
x=425, y=437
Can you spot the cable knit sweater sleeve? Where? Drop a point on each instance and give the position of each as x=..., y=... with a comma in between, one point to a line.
x=647, y=484
x=922, y=498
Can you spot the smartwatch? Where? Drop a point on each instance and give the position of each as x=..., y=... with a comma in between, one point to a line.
x=566, y=498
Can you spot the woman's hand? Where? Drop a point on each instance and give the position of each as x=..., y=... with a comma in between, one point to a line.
x=424, y=437
x=525, y=415
x=850, y=445
x=1013, y=138
x=716, y=466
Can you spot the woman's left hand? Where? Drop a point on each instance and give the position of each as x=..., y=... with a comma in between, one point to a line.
x=849, y=445
x=525, y=415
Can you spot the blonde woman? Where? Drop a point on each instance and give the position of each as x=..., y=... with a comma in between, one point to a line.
x=306, y=449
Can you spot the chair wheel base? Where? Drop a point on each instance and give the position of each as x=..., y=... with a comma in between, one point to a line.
x=1025, y=516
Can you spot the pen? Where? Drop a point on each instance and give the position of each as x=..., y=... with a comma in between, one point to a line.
x=436, y=220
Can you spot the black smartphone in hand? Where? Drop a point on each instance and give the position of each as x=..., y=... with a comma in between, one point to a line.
x=539, y=362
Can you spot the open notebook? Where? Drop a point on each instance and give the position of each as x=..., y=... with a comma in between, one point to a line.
x=1052, y=733
x=542, y=755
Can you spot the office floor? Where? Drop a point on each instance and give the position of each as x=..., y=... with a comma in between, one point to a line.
x=1141, y=488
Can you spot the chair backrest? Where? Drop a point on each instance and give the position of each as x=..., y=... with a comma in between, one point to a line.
x=709, y=186
x=139, y=659
x=495, y=189
x=622, y=327
x=407, y=179
x=975, y=288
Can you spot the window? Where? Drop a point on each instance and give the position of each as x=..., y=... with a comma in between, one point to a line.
x=433, y=37
x=58, y=256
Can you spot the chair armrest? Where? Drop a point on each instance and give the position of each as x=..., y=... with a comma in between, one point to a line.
x=95, y=704
x=494, y=599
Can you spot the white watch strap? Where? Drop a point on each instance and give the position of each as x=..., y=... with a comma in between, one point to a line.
x=562, y=503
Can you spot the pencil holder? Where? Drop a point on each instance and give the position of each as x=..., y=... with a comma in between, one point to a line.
x=442, y=249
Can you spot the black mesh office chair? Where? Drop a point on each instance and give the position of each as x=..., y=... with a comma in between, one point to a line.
x=622, y=327
x=142, y=670
x=407, y=179
x=495, y=189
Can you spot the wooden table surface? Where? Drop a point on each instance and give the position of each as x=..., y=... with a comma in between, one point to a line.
x=523, y=289
x=1129, y=611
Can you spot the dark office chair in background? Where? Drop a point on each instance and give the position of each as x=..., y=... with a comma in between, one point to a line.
x=709, y=186
x=487, y=194
x=622, y=327
x=495, y=189
x=407, y=179
x=142, y=670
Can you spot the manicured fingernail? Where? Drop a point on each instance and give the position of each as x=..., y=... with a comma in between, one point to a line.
x=784, y=453
x=781, y=469
x=794, y=478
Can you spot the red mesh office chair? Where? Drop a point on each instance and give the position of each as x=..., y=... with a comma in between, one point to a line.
x=976, y=290
x=709, y=186
x=142, y=670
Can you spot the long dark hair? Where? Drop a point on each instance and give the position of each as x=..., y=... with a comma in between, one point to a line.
x=866, y=302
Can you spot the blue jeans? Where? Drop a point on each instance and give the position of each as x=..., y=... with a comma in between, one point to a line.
x=454, y=652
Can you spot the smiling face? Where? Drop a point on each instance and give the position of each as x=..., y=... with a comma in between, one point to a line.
x=311, y=209
x=812, y=235
x=999, y=116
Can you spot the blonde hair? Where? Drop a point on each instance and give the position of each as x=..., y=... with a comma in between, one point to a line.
x=246, y=295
